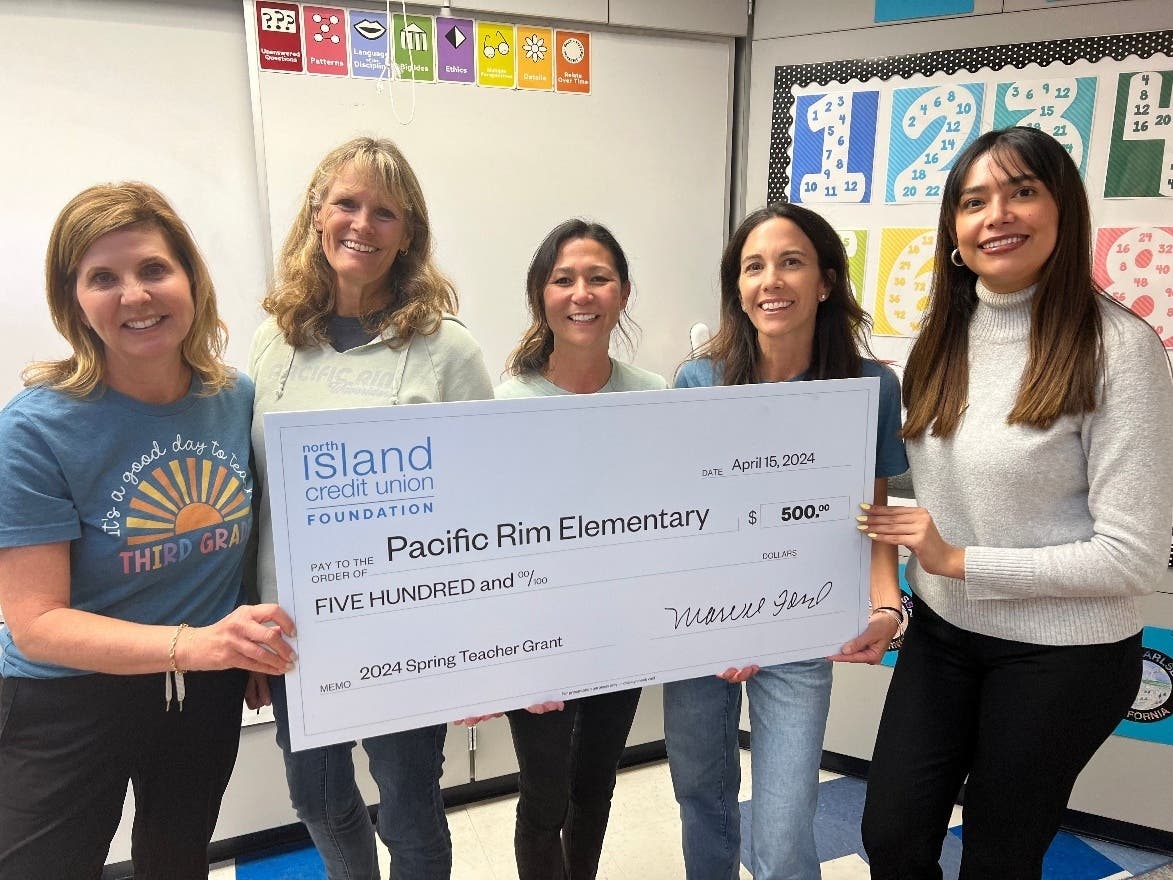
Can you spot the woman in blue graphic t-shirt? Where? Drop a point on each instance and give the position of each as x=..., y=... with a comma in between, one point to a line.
x=125, y=512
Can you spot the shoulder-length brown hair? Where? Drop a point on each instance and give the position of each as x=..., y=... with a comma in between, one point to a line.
x=841, y=326
x=417, y=294
x=1064, y=363
x=92, y=213
x=537, y=343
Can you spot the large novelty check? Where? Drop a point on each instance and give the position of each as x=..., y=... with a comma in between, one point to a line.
x=449, y=560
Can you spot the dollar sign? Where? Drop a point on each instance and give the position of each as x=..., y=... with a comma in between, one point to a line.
x=753, y=517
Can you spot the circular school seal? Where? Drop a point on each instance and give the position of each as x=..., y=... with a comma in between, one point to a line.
x=1154, y=700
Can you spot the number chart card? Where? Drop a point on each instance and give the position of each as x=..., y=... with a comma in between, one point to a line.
x=1062, y=107
x=1135, y=266
x=930, y=126
x=834, y=146
x=855, y=243
x=1109, y=102
x=1141, y=159
x=906, y=271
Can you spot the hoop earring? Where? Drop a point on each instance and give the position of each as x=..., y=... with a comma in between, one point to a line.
x=955, y=258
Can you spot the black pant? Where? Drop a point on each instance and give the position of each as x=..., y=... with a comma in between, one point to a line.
x=68, y=746
x=1021, y=720
x=567, y=761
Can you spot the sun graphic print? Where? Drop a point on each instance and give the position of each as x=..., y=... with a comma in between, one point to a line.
x=183, y=497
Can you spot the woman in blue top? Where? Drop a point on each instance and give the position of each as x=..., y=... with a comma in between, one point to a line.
x=125, y=513
x=787, y=314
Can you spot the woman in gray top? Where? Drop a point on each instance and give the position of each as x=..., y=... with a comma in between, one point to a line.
x=1039, y=412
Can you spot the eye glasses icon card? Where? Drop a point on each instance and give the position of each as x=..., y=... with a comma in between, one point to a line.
x=495, y=60
x=501, y=47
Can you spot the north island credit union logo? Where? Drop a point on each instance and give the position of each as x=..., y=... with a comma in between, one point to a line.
x=1154, y=700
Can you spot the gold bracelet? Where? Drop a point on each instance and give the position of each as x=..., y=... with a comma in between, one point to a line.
x=180, y=690
x=174, y=642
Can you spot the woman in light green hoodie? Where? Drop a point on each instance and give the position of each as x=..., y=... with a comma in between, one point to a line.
x=361, y=316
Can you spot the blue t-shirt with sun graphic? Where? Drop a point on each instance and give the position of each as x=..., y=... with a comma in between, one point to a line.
x=155, y=500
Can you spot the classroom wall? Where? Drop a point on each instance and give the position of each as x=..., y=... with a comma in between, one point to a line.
x=158, y=90
x=124, y=89
x=1124, y=780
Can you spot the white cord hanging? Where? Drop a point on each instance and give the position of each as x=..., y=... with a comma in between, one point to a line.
x=391, y=71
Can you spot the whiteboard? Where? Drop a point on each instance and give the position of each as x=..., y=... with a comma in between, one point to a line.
x=647, y=153
x=93, y=93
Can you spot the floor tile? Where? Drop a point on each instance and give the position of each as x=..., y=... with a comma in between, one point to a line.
x=643, y=840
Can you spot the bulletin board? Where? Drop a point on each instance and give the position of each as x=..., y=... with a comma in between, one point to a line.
x=512, y=125
x=868, y=143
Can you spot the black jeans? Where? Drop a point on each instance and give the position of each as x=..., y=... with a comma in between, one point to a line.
x=1021, y=720
x=567, y=764
x=68, y=746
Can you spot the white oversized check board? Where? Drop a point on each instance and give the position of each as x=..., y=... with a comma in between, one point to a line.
x=448, y=560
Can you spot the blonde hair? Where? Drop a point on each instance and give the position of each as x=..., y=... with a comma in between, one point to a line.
x=98, y=211
x=302, y=298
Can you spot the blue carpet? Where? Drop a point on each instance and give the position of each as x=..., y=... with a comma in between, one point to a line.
x=837, y=826
x=281, y=864
x=1069, y=858
x=836, y=835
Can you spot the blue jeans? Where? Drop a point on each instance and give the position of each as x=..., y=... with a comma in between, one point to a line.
x=411, y=822
x=788, y=712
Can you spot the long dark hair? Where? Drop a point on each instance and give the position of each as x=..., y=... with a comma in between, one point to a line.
x=1065, y=359
x=841, y=325
x=532, y=354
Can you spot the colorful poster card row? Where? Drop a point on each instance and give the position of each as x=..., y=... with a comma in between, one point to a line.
x=835, y=134
x=1133, y=264
x=334, y=41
